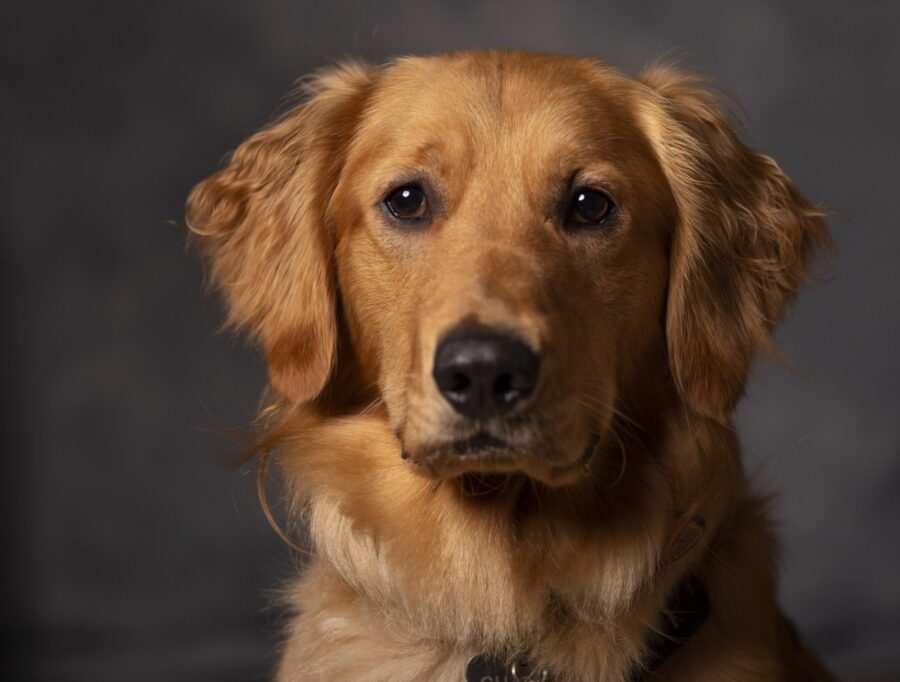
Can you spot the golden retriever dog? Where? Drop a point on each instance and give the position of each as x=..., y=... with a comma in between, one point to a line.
x=508, y=302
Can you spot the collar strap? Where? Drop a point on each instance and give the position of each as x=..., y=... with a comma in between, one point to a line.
x=687, y=609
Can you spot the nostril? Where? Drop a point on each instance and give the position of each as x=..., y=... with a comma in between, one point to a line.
x=503, y=387
x=458, y=382
x=503, y=384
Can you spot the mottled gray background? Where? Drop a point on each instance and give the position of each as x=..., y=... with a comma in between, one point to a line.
x=129, y=554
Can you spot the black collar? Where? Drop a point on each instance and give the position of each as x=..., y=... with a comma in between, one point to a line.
x=687, y=608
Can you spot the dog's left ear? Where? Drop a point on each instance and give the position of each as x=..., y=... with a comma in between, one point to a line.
x=261, y=223
x=741, y=244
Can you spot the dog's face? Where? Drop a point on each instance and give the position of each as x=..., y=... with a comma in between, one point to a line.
x=500, y=255
x=503, y=245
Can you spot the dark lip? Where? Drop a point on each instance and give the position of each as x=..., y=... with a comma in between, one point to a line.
x=480, y=446
x=480, y=443
x=486, y=444
x=487, y=455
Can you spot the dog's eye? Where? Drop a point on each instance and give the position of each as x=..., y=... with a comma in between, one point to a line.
x=589, y=209
x=407, y=202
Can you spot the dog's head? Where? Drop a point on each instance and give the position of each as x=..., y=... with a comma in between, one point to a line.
x=505, y=249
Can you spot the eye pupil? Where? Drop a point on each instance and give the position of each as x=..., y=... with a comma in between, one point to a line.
x=590, y=208
x=407, y=202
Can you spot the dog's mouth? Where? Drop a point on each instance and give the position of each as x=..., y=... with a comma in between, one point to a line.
x=480, y=445
x=485, y=463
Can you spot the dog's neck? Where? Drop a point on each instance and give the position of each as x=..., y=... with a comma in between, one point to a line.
x=588, y=561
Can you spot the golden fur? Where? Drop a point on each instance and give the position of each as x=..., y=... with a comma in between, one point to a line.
x=648, y=330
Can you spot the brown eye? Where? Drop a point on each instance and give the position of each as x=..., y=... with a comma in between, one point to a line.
x=407, y=203
x=589, y=209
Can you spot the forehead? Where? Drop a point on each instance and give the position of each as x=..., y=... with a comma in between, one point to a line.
x=512, y=109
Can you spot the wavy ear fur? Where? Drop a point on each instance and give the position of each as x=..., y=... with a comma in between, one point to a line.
x=741, y=247
x=260, y=222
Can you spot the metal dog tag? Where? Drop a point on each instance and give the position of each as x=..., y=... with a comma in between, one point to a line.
x=486, y=668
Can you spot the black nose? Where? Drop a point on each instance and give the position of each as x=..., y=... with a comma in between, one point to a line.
x=483, y=372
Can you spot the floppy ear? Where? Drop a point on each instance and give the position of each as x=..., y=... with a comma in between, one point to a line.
x=260, y=222
x=743, y=240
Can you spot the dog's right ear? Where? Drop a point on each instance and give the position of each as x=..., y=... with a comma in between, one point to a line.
x=260, y=222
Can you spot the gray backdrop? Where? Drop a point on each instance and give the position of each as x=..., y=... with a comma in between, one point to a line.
x=130, y=553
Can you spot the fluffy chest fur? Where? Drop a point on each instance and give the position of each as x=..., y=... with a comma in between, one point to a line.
x=575, y=581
